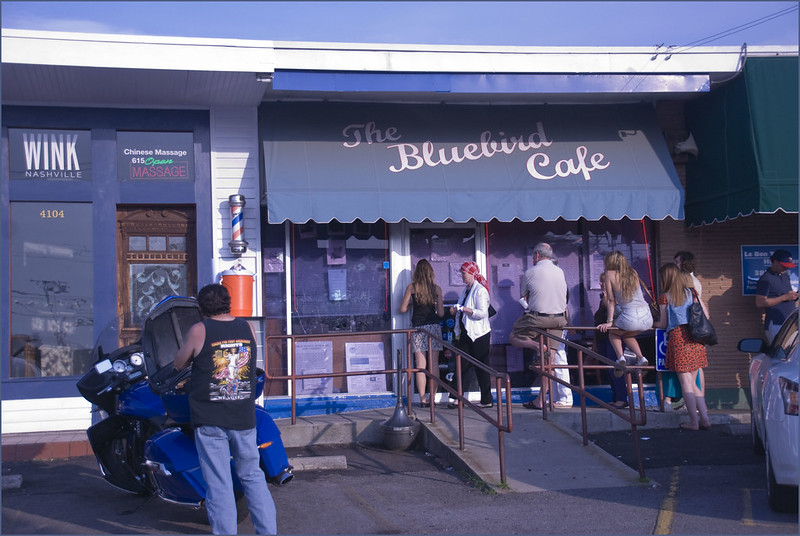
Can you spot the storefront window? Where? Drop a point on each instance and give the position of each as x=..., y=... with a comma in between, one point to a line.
x=51, y=289
x=579, y=248
x=339, y=280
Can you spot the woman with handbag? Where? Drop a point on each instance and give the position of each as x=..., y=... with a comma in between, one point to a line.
x=424, y=297
x=472, y=329
x=673, y=396
x=684, y=356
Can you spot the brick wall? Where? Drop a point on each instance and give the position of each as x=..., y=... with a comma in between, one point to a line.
x=719, y=267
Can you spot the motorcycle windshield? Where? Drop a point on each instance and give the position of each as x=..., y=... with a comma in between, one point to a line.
x=107, y=342
x=164, y=330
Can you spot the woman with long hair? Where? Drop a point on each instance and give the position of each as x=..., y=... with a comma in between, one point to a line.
x=627, y=309
x=684, y=356
x=424, y=297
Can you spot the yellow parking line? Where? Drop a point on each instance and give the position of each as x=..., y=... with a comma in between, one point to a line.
x=667, y=511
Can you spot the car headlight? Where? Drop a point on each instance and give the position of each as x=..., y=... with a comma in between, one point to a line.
x=789, y=396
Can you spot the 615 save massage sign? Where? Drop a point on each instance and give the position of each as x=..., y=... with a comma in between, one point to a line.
x=155, y=156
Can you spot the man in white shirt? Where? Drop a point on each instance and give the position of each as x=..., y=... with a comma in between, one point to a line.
x=545, y=289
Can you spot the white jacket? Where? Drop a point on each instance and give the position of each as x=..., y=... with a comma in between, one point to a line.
x=476, y=325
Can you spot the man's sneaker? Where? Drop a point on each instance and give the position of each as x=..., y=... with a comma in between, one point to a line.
x=642, y=362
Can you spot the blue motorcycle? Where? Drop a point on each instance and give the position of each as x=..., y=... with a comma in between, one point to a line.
x=144, y=443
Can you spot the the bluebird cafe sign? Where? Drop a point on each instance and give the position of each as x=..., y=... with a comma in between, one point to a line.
x=155, y=156
x=38, y=154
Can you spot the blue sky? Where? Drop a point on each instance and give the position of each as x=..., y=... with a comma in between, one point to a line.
x=517, y=23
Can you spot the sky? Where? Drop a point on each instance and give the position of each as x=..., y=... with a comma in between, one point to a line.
x=516, y=23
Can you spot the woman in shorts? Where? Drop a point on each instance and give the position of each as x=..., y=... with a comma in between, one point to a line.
x=424, y=297
x=627, y=309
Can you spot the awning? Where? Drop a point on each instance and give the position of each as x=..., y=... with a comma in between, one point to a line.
x=746, y=134
x=349, y=161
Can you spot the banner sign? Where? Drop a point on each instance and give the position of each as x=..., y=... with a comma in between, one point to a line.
x=155, y=156
x=755, y=261
x=367, y=161
x=50, y=154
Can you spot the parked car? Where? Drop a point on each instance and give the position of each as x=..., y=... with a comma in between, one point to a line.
x=774, y=411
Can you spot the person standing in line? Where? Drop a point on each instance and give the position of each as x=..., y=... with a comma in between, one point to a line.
x=222, y=351
x=626, y=308
x=424, y=297
x=562, y=395
x=545, y=290
x=684, y=356
x=672, y=387
x=619, y=391
x=472, y=329
x=774, y=293
x=686, y=262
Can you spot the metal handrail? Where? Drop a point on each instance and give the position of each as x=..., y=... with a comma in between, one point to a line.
x=546, y=368
x=502, y=382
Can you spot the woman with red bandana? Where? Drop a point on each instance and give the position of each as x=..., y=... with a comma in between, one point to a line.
x=472, y=330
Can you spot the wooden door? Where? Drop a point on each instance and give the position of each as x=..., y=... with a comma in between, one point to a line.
x=157, y=259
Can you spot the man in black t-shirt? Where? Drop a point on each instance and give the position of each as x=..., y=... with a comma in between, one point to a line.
x=222, y=350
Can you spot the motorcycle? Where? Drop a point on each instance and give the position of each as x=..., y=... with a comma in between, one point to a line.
x=144, y=443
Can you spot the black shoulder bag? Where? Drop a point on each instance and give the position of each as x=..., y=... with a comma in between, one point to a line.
x=699, y=325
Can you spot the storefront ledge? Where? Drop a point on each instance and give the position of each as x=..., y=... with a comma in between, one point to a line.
x=281, y=407
x=43, y=449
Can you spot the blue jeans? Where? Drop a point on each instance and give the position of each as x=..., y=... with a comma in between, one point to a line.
x=215, y=446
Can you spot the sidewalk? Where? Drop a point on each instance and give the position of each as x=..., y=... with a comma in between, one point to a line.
x=570, y=465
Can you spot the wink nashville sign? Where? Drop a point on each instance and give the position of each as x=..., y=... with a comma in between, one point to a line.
x=50, y=154
x=412, y=156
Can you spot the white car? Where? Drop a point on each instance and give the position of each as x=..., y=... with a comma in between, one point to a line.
x=774, y=411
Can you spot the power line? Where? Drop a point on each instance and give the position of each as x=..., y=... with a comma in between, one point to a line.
x=735, y=29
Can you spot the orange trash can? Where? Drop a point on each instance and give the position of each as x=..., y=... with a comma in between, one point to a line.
x=239, y=282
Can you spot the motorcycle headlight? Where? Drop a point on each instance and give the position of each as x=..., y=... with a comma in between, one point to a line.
x=137, y=360
x=789, y=395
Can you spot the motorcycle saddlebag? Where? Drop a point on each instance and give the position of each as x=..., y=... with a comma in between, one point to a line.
x=173, y=463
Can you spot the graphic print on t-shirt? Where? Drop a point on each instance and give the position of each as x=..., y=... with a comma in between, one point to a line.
x=231, y=378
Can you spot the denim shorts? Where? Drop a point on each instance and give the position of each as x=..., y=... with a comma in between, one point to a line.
x=634, y=319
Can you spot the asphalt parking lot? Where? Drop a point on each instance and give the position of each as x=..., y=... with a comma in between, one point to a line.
x=700, y=482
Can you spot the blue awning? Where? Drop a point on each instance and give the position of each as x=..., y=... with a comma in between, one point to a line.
x=394, y=162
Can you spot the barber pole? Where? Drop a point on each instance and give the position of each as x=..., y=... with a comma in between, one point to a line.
x=237, y=244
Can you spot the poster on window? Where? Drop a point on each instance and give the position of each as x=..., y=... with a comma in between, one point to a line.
x=596, y=267
x=155, y=156
x=362, y=356
x=337, y=284
x=314, y=357
x=337, y=252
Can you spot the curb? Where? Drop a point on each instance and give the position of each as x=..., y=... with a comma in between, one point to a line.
x=318, y=463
